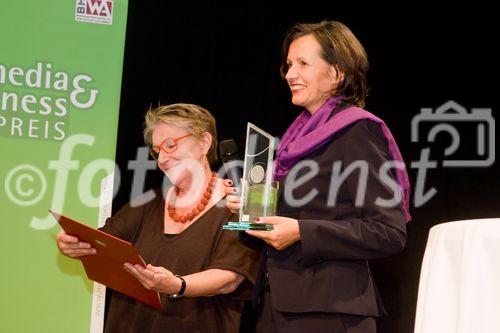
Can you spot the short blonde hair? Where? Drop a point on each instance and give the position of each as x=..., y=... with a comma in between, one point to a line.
x=191, y=117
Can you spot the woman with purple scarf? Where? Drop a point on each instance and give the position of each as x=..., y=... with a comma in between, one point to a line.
x=344, y=193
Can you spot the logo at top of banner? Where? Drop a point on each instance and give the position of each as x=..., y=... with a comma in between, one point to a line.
x=94, y=11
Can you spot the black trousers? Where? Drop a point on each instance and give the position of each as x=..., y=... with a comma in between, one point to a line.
x=273, y=321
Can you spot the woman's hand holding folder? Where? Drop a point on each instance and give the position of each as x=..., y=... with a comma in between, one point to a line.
x=72, y=247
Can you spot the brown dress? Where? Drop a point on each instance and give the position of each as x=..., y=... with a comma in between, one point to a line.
x=201, y=246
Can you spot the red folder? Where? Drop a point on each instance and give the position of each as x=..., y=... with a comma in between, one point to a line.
x=106, y=266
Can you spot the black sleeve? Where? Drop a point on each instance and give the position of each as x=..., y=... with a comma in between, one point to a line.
x=231, y=255
x=126, y=223
x=254, y=243
x=374, y=231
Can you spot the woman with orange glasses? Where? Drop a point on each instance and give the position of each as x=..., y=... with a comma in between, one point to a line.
x=202, y=272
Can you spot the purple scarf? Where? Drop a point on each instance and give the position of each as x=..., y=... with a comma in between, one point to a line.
x=309, y=132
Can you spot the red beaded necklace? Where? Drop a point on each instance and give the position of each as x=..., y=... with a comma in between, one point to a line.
x=195, y=211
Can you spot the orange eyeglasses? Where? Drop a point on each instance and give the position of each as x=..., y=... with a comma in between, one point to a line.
x=169, y=145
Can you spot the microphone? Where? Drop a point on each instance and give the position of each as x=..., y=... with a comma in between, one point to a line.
x=230, y=158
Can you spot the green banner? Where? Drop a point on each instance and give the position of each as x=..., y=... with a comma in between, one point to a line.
x=60, y=79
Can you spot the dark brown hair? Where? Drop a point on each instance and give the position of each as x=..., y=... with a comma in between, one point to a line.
x=341, y=49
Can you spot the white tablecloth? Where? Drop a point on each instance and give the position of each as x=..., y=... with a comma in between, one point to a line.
x=459, y=288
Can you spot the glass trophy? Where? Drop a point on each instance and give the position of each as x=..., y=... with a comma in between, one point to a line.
x=259, y=193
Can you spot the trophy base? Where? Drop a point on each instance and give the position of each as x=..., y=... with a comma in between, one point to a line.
x=242, y=226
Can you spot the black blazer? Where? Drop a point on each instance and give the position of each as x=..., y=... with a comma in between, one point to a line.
x=327, y=270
